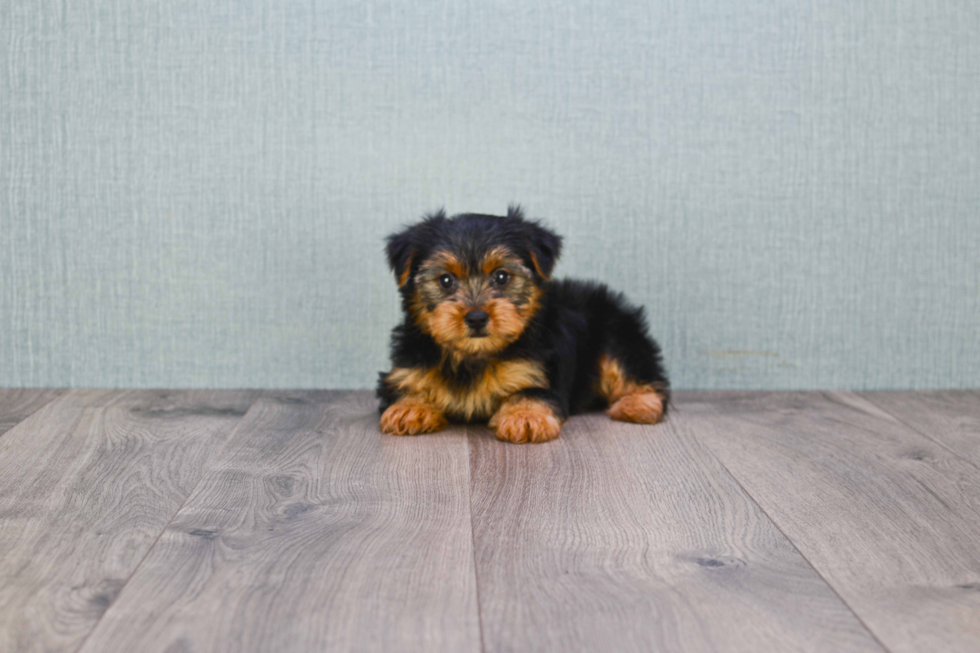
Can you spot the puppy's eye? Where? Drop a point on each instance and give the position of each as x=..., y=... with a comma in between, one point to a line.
x=501, y=277
x=446, y=281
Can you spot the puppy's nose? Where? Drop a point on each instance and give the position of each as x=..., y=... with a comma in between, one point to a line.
x=476, y=319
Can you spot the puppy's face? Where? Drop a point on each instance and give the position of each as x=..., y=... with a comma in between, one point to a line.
x=474, y=307
x=473, y=282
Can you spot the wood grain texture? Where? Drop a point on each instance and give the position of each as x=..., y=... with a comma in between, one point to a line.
x=950, y=417
x=87, y=484
x=312, y=532
x=888, y=517
x=16, y=404
x=621, y=537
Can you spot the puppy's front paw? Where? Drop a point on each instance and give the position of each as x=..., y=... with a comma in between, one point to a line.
x=525, y=420
x=411, y=417
x=641, y=408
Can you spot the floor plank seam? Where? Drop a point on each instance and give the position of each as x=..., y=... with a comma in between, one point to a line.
x=938, y=443
x=915, y=429
x=476, y=575
x=35, y=411
x=163, y=530
x=690, y=433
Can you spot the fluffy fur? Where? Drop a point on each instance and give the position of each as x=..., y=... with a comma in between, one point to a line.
x=487, y=335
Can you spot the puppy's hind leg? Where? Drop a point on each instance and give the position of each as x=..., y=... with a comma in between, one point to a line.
x=629, y=399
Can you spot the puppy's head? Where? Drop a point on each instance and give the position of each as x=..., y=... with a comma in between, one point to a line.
x=473, y=281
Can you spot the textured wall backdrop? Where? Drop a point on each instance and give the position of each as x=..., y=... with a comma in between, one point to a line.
x=195, y=193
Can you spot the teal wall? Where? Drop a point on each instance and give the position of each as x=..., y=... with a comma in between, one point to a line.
x=195, y=193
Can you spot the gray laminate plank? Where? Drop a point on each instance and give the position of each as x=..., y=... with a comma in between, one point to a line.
x=87, y=484
x=951, y=417
x=888, y=517
x=312, y=532
x=620, y=537
x=16, y=404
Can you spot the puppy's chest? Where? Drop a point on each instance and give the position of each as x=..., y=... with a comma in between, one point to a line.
x=471, y=394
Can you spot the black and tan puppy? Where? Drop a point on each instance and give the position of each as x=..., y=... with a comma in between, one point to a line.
x=488, y=335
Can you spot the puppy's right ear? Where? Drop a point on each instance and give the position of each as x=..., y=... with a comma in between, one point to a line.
x=404, y=247
x=401, y=251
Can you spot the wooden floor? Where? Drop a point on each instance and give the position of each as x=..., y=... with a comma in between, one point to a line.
x=142, y=521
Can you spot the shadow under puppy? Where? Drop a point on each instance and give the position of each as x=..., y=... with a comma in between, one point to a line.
x=488, y=335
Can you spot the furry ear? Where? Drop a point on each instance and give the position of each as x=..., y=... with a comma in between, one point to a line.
x=401, y=251
x=403, y=247
x=544, y=247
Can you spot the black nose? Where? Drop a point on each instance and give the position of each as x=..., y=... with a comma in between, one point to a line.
x=476, y=319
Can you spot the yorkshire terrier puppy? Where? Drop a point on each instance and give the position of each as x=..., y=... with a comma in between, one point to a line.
x=488, y=336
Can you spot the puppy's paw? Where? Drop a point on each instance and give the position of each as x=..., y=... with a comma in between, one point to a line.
x=411, y=417
x=525, y=420
x=641, y=408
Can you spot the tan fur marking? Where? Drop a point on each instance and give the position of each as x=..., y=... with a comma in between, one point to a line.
x=449, y=263
x=497, y=257
x=500, y=380
x=628, y=400
x=521, y=420
x=533, y=304
x=447, y=325
x=403, y=279
x=411, y=416
x=641, y=408
x=537, y=266
x=614, y=383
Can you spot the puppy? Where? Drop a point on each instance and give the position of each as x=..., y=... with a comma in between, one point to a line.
x=487, y=335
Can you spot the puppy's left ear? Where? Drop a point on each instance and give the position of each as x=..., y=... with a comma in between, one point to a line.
x=545, y=248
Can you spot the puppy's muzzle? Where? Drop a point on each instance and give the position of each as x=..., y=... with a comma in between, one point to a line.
x=476, y=319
